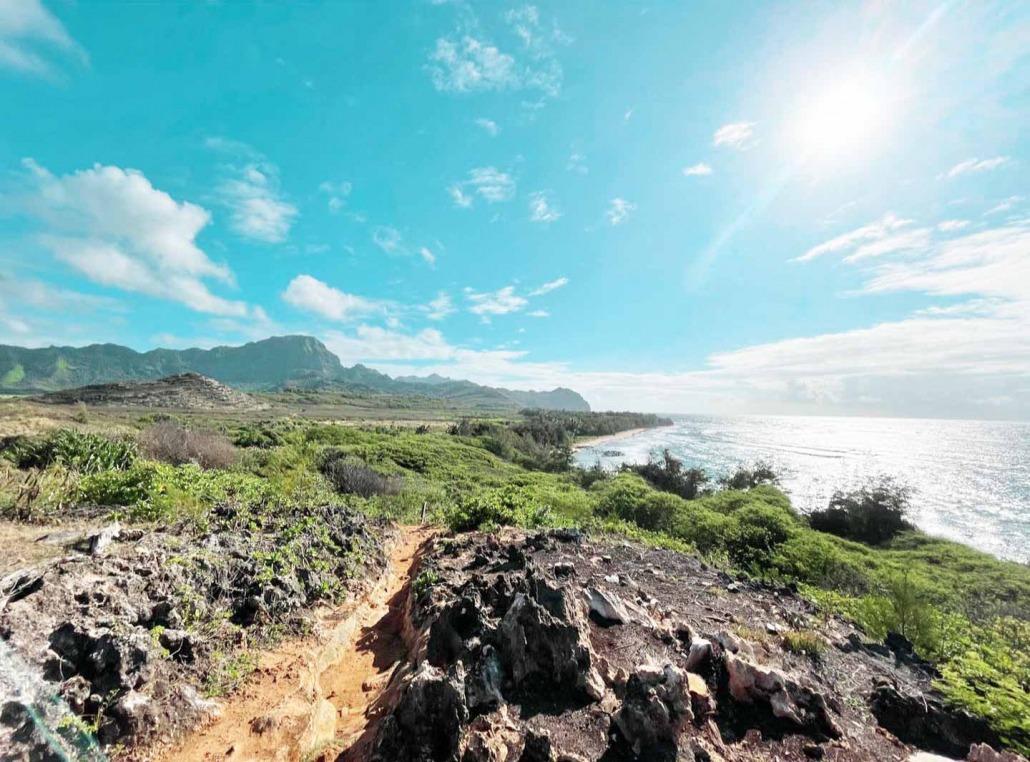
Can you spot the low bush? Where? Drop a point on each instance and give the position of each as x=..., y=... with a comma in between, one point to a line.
x=173, y=443
x=804, y=643
x=85, y=453
x=668, y=475
x=749, y=477
x=873, y=514
x=754, y=532
x=352, y=476
x=507, y=506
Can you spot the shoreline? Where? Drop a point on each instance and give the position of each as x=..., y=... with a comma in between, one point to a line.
x=582, y=444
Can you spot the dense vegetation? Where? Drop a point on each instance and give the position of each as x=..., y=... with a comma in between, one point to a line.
x=965, y=610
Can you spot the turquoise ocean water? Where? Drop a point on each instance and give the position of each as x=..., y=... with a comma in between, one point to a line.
x=971, y=479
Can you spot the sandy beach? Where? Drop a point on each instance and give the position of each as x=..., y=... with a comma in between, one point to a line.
x=595, y=441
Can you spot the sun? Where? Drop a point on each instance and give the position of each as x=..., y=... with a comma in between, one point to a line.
x=842, y=117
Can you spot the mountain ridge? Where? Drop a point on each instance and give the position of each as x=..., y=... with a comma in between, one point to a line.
x=275, y=363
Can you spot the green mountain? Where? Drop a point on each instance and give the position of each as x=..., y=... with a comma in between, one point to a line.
x=280, y=362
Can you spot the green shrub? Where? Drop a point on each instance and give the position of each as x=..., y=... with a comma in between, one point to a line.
x=804, y=643
x=754, y=532
x=507, y=506
x=873, y=514
x=668, y=475
x=748, y=477
x=85, y=453
x=119, y=488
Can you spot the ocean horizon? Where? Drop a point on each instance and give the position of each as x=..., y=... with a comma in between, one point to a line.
x=970, y=479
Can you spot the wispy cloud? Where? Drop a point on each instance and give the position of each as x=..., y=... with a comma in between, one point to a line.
x=541, y=209
x=336, y=193
x=539, y=314
x=30, y=34
x=503, y=301
x=469, y=60
x=1004, y=206
x=950, y=226
x=697, y=170
x=874, y=231
x=389, y=240
x=738, y=135
x=488, y=183
x=428, y=256
x=577, y=163
x=489, y=126
x=549, y=286
x=971, y=166
x=250, y=189
x=619, y=210
x=118, y=230
x=439, y=307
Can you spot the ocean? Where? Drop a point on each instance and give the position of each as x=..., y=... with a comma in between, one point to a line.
x=970, y=479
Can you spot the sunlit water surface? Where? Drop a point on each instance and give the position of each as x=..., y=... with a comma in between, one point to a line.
x=971, y=479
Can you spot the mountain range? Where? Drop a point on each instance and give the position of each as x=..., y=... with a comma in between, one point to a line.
x=276, y=363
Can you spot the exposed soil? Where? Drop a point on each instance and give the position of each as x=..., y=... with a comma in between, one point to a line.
x=318, y=695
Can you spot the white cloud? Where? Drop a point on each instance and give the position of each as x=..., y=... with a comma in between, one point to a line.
x=1005, y=206
x=501, y=302
x=470, y=65
x=697, y=170
x=739, y=135
x=389, y=240
x=374, y=343
x=336, y=194
x=469, y=61
x=970, y=166
x=874, y=231
x=42, y=296
x=250, y=189
x=29, y=33
x=577, y=163
x=489, y=126
x=541, y=209
x=951, y=226
x=910, y=240
x=488, y=183
x=549, y=286
x=312, y=295
x=440, y=307
x=427, y=255
x=117, y=229
x=619, y=210
x=539, y=314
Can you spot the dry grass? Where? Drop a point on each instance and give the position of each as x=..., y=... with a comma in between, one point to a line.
x=175, y=444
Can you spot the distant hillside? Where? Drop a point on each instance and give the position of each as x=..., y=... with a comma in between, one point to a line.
x=281, y=362
x=186, y=391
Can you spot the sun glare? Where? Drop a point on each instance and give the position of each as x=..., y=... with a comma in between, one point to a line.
x=842, y=118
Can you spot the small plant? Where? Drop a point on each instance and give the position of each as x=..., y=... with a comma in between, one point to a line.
x=804, y=643
x=85, y=453
x=351, y=476
x=229, y=672
x=424, y=582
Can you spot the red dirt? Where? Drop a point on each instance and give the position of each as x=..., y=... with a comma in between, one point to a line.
x=316, y=697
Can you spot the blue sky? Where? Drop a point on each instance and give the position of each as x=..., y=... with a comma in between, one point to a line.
x=778, y=207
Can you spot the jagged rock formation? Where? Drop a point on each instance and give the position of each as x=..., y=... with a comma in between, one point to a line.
x=186, y=391
x=122, y=638
x=551, y=648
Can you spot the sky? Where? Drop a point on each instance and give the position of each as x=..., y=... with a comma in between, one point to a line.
x=778, y=207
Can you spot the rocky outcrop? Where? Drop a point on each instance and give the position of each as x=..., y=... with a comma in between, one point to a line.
x=185, y=391
x=123, y=643
x=547, y=647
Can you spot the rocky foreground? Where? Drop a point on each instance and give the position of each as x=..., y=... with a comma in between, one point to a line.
x=552, y=648
x=132, y=638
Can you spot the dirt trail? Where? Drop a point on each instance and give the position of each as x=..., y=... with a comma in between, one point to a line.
x=316, y=697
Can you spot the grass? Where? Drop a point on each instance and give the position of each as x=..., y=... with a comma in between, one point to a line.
x=965, y=610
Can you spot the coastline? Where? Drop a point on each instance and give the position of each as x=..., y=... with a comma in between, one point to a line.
x=582, y=444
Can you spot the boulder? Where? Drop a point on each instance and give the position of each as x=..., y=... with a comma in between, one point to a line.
x=427, y=723
x=788, y=699
x=656, y=709
x=923, y=720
